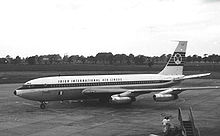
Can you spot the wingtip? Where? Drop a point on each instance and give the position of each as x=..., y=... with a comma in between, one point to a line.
x=207, y=74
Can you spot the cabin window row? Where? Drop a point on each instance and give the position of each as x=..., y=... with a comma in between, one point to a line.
x=90, y=84
x=88, y=80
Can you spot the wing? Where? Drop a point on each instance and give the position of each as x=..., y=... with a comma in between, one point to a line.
x=172, y=91
x=119, y=95
x=136, y=92
x=169, y=94
x=102, y=92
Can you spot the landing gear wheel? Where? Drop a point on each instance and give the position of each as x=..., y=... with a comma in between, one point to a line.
x=42, y=106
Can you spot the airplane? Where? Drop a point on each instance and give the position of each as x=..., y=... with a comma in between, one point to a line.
x=114, y=89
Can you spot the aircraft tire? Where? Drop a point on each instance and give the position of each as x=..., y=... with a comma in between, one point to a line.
x=42, y=106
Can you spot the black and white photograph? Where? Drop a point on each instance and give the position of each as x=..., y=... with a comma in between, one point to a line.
x=110, y=68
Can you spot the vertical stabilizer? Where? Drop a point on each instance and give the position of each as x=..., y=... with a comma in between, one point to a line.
x=175, y=64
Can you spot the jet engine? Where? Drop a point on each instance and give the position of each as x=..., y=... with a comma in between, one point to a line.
x=120, y=100
x=164, y=97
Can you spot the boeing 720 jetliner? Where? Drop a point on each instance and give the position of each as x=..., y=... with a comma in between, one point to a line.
x=118, y=89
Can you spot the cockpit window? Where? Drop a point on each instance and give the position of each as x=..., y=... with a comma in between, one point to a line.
x=25, y=87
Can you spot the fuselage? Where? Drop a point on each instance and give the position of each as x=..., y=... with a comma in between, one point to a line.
x=71, y=87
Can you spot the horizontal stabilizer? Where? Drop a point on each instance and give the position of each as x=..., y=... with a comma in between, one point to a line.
x=195, y=76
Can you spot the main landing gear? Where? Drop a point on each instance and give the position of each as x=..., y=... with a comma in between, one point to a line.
x=43, y=105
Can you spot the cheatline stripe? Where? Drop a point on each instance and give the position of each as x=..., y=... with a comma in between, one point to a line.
x=91, y=84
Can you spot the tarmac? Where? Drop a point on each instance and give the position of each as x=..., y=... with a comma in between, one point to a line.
x=20, y=117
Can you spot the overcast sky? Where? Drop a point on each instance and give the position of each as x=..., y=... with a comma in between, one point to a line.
x=86, y=27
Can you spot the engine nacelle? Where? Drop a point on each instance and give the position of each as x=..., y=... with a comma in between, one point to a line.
x=164, y=97
x=120, y=100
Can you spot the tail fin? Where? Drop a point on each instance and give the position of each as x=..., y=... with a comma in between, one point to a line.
x=176, y=61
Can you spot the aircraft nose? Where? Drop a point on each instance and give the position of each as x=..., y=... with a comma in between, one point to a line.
x=15, y=92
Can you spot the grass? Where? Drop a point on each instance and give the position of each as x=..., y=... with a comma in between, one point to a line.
x=92, y=67
x=23, y=73
x=75, y=67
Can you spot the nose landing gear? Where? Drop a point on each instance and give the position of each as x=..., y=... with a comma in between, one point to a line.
x=43, y=105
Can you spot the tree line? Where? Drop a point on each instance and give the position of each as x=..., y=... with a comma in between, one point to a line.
x=106, y=58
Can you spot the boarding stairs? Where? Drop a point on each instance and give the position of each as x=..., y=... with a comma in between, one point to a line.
x=188, y=126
